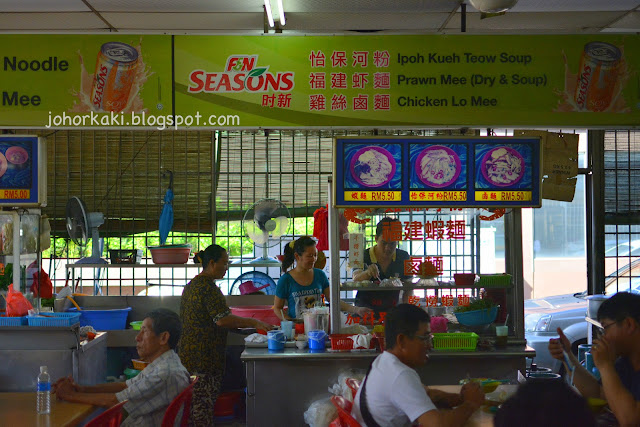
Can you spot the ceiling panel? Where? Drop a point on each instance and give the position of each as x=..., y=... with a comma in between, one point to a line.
x=63, y=21
x=43, y=6
x=185, y=6
x=573, y=5
x=370, y=6
x=629, y=22
x=561, y=22
x=365, y=21
x=190, y=22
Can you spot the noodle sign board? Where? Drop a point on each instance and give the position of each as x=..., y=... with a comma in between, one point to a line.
x=454, y=172
x=23, y=171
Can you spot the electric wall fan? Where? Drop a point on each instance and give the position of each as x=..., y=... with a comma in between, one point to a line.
x=264, y=223
x=81, y=224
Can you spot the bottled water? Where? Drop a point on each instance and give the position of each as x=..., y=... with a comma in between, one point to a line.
x=43, y=401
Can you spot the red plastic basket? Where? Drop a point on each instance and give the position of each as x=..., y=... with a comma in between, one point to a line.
x=345, y=343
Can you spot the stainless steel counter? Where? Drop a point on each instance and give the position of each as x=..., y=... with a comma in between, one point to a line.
x=24, y=349
x=282, y=385
x=294, y=353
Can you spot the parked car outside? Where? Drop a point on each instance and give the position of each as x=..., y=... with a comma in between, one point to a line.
x=543, y=316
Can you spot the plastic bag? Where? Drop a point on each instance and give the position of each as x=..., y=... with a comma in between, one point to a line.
x=43, y=282
x=321, y=413
x=17, y=304
x=45, y=233
x=341, y=388
x=29, y=225
x=6, y=235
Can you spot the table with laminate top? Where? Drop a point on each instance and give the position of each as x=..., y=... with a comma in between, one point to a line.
x=19, y=409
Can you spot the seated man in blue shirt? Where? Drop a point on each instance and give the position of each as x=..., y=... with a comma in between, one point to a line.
x=616, y=354
x=152, y=390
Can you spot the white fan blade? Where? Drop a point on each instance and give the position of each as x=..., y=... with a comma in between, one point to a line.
x=255, y=233
x=282, y=225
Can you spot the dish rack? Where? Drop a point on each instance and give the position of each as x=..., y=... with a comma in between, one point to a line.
x=466, y=341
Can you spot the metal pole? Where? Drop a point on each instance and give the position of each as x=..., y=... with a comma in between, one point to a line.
x=595, y=251
x=513, y=263
x=334, y=262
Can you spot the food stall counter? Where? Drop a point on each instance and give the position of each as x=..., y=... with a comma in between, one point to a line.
x=282, y=385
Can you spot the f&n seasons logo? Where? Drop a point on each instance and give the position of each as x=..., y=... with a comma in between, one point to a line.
x=241, y=74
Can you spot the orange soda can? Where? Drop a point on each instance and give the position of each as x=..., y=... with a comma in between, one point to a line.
x=114, y=76
x=598, y=76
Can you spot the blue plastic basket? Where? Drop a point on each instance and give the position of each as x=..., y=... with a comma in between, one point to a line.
x=103, y=320
x=54, y=319
x=477, y=317
x=13, y=321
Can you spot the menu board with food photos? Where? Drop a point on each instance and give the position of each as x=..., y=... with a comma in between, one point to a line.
x=439, y=172
x=23, y=171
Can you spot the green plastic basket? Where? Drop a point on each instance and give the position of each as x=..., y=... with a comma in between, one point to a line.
x=494, y=280
x=465, y=341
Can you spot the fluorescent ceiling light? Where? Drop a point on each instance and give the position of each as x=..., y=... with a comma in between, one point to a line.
x=281, y=13
x=267, y=7
x=272, y=13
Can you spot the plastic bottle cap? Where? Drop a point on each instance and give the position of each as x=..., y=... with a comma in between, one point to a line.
x=43, y=369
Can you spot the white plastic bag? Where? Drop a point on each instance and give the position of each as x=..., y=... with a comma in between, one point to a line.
x=321, y=413
x=341, y=388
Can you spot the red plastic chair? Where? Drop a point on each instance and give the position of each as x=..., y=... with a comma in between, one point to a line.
x=183, y=400
x=344, y=411
x=354, y=385
x=112, y=417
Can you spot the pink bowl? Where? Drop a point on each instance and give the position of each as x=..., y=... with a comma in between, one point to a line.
x=170, y=255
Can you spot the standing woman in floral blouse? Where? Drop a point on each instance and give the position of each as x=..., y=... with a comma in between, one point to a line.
x=206, y=319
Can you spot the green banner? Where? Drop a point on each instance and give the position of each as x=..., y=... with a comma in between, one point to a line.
x=84, y=80
x=432, y=80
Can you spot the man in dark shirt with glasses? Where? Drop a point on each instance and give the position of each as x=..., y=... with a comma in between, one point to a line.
x=616, y=354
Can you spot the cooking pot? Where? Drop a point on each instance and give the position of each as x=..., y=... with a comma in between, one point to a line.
x=595, y=301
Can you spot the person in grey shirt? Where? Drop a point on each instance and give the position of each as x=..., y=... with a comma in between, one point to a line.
x=149, y=393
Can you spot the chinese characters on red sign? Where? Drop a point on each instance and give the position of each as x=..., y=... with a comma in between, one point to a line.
x=339, y=80
x=416, y=230
x=431, y=301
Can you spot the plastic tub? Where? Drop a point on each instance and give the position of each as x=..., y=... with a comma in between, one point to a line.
x=317, y=340
x=139, y=364
x=477, y=317
x=260, y=312
x=125, y=256
x=136, y=325
x=103, y=319
x=275, y=340
x=170, y=254
x=130, y=373
x=226, y=403
x=464, y=279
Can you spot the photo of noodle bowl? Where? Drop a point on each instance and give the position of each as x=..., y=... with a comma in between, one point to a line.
x=438, y=166
x=503, y=166
x=373, y=166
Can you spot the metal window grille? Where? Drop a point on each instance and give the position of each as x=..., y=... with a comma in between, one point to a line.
x=121, y=174
x=622, y=210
